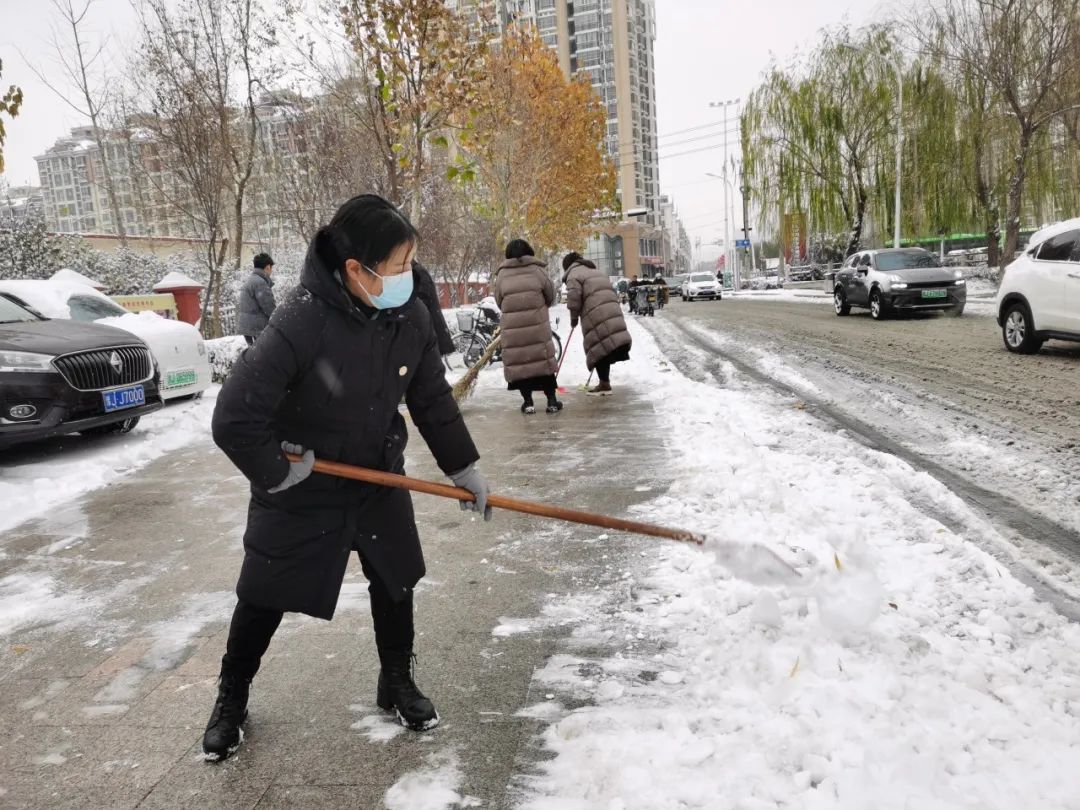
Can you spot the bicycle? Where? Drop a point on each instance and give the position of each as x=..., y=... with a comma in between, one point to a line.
x=477, y=330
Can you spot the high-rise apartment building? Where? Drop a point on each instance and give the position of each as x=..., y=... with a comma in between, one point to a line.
x=611, y=41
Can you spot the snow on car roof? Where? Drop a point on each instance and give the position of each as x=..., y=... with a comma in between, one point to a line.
x=50, y=297
x=66, y=274
x=1049, y=231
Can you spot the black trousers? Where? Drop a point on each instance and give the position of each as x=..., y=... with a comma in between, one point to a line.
x=603, y=371
x=548, y=392
x=250, y=339
x=252, y=628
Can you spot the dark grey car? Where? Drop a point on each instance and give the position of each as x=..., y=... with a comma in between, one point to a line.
x=898, y=280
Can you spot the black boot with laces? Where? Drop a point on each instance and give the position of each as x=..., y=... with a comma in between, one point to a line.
x=223, y=734
x=398, y=693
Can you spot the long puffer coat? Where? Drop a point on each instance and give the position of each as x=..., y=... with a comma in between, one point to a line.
x=329, y=375
x=589, y=297
x=524, y=292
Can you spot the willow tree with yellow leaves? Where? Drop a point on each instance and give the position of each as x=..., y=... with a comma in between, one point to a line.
x=533, y=154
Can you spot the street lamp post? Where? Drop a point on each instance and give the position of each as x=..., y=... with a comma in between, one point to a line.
x=733, y=102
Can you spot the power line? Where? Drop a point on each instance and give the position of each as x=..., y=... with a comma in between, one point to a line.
x=691, y=129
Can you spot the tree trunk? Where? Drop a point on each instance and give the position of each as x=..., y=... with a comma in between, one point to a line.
x=1016, y=195
x=857, y=224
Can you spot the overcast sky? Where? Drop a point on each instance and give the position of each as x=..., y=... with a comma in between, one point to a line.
x=706, y=50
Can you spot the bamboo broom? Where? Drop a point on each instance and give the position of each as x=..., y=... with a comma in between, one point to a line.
x=464, y=387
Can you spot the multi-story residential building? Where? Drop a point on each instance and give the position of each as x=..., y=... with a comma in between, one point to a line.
x=611, y=41
x=18, y=203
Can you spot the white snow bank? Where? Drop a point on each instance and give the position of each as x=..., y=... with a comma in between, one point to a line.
x=223, y=353
x=908, y=670
x=30, y=487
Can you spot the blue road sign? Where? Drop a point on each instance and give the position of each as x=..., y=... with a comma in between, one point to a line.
x=742, y=243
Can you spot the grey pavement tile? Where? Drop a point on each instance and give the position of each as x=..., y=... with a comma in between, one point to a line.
x=330, y=797
x=30, y=794
x=64, y=761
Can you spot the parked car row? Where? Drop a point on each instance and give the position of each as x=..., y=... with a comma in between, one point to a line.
x=74, y=361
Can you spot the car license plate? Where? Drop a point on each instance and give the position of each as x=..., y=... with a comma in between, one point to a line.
x=122, y=398
x=934, y=294
x=178, y=379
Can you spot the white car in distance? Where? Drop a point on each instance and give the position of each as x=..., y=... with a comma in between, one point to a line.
x=701, y=285
x=177, y=346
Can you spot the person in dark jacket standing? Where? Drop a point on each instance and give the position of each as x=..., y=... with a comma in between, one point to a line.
x=324, y=381
x=523, y=293
x=591, y=300
x=427, y=292
x=256, y=303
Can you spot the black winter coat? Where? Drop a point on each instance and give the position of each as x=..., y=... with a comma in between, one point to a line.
x=330, y=375
x=429, y=294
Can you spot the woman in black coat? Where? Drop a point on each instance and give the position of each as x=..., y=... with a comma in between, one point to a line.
x=325, y=381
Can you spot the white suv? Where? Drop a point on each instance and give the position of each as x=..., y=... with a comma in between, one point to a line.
x=1039, y=297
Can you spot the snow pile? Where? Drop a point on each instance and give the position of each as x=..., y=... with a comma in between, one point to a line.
x=905, y=669
x=435, y=787
x=29, y=488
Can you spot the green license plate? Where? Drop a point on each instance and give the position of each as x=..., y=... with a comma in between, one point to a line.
x=934, y=294
x=178, y=379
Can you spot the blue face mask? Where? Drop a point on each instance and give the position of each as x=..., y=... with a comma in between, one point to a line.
x=396, y=290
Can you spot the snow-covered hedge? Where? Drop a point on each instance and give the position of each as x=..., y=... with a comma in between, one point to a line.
x=222, y=353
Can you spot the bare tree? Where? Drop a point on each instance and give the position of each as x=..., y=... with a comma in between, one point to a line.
x=1024, y=52
x=201, y=75
x=82, y=64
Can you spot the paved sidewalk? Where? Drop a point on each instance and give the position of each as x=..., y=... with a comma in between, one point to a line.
x=109, y=674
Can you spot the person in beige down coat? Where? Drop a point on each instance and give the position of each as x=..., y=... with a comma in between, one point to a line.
x=591, y=300
x=524, y=292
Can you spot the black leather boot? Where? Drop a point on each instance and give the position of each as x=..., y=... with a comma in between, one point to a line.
x=398, y=693
x=223, y=734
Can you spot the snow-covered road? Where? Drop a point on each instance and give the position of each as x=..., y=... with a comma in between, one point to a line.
x=909, y=669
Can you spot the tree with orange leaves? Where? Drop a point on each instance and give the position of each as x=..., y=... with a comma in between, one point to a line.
x=534, y=152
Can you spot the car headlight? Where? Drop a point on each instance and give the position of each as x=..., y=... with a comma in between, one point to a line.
x=202, y=348
x=899, y=285
x=960, y=282
x=25, y=361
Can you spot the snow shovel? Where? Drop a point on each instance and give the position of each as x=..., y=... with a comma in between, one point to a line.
x=562, y=388
x=751, y=562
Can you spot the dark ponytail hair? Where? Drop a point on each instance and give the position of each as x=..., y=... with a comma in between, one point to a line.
x=519, y=248
x=366, y=228
x=573, y=258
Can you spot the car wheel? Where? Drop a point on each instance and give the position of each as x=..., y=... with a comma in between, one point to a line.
x=1016, y=330
x=115, y=429
x=840, y=303
x=877, y=306
x=956, y=311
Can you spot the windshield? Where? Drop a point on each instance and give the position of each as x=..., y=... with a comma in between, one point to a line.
x=906, y=260
x=10, y=312
x=89, y=308
x=702, y=277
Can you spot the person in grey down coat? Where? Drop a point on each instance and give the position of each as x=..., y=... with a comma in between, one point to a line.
x=257, y=302
x=524, y=291
x=591, y=300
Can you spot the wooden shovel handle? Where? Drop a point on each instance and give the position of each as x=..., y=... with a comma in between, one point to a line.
x=386, y=479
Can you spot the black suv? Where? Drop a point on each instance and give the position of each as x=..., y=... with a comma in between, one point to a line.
x=59, y=376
